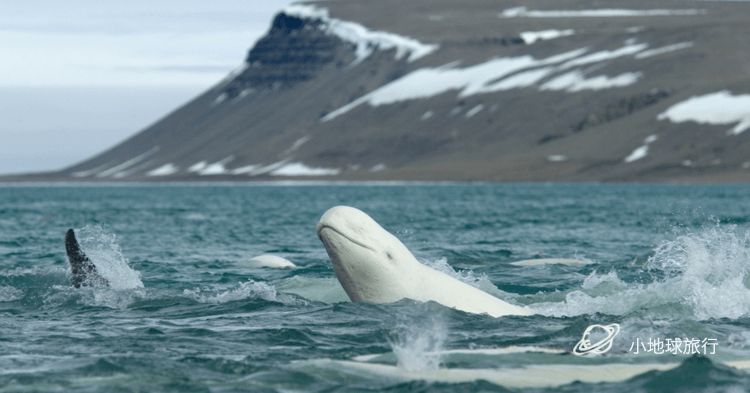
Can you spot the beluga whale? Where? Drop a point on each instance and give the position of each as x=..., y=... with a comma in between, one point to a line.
x=270, y=261
x=374, y=266
x=83, y=271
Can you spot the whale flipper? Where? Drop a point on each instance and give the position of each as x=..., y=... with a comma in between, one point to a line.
x=81, y=267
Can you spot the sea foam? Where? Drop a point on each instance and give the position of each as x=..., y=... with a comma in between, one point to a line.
x=704, y=273
x=245, y=290
x=418, y=343
x=104, y=251
x=9, y=294
x=468, y=276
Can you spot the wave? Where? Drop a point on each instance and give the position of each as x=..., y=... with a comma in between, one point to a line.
x=611, y=376
x=468, y=276
x=701, y=275
x=9, y=294
x=418, y=343
x=246, y=290
x=104, y=251
x=317, y=289
x=31, y=271
x=48, y=287
x=104, y=297
x=705, y=274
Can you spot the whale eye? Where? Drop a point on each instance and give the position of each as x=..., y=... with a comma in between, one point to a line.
x=389, y=255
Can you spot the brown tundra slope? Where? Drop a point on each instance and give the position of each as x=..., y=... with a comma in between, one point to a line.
x=550, y=90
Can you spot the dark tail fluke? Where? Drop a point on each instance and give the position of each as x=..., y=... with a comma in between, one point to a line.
x=80, y=265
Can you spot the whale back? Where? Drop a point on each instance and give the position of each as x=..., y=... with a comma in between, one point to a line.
x=449, y=291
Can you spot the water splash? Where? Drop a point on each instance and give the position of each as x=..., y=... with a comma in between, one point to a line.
x=34, y=271
x=246, y=290
x=468, y=276
x=709, y=270
x=317, y=289
x=9, y=294
x=104, y=251
x=419, y=342
x=703, y=273
x=62, y=295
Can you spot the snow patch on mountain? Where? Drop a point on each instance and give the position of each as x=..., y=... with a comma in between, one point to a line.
x=364, y=40
x=220, y=98
x=500, y=74
x=664, y=49
x=198, y=166
x=429, y=82
x=717, y=108
x=296, y=145
x=89, y=172
x=300, y=169
x=473, y=111
x=216, y=168
x=127, y=164
x=530, y=37
x=523, y=79
x=557, y=158
x=641, y=152
x=575, y=81
x=244, y=170
x=164, y=170
x=523, y=12
x=605, y=55
x=264, y=169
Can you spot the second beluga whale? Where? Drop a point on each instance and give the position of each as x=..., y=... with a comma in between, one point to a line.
x=374, y=266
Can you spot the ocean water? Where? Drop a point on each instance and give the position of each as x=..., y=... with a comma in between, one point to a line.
x=186, y=312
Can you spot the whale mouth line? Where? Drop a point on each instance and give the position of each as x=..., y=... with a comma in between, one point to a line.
x=357, y=242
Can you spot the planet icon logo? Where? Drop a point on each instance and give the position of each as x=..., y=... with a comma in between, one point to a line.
x=585, y=347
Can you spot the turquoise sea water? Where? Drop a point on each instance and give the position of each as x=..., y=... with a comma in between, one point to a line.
x=185, y=312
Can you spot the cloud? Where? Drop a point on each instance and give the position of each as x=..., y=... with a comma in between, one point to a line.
x=122, y=65
x=145, y=43
x=48, y=128
x=189, y=68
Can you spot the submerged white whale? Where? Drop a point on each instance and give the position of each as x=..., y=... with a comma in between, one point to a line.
x=271, y=262
x=374, y=266
x=551, y=261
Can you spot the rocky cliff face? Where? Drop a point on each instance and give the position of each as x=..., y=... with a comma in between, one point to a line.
x=293, y=51
x=452, y=90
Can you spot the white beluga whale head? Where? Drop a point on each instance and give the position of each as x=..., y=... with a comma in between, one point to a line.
x=374, y=266
x=369, y=262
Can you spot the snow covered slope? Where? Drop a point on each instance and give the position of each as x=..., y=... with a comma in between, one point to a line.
x=454, y=90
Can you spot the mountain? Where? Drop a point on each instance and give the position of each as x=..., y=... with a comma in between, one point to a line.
x=551, y=90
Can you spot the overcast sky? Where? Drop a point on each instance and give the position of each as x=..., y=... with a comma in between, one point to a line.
x=78, y=76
